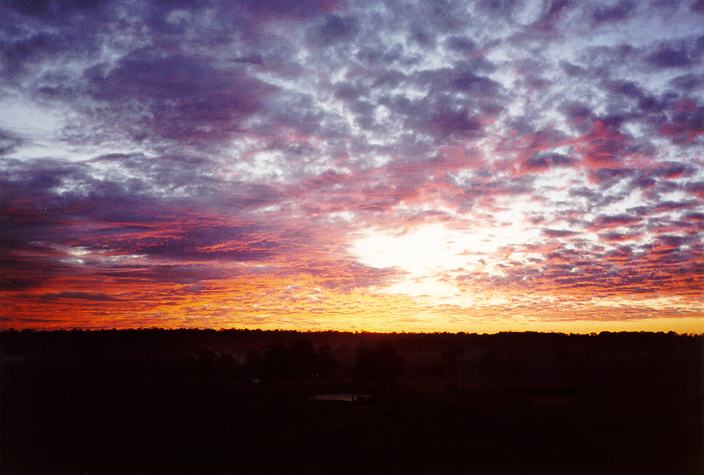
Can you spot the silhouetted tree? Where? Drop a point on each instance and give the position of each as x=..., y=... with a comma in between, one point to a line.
x=380, y=364
x=490, y=365
x=303, y=359
x=451, y=356
x=297, y=362
x=206, y=363
x=253, y=364
x=276, y=363
x=326, y=362
x=515, y=367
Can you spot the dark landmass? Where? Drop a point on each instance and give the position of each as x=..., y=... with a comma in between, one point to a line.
x=236, y=401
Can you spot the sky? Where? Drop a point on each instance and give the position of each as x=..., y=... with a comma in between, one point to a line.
x=350, y=165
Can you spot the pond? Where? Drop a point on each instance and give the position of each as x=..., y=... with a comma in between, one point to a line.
x=348, y=397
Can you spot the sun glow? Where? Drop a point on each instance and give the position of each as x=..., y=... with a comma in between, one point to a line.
x=430, y=257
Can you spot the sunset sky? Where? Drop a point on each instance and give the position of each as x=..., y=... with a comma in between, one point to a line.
x=385, y=166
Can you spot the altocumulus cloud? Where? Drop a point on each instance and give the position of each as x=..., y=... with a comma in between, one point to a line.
x=203, y=156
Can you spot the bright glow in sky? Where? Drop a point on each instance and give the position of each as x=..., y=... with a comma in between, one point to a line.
x=464, y=166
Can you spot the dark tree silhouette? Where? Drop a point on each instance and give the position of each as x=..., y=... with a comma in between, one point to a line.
x=297, y=362
x=253, y=364
x=302, y=359
x=326, y=362
x=451, y=355
x=490, y=365
x=276, y=363
x=380, y=364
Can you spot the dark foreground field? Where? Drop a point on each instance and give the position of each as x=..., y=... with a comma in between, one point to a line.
x=239, y=402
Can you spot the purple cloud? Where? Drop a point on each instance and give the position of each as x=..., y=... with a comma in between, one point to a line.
x=182, y=146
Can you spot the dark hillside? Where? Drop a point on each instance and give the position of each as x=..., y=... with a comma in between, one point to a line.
x=202, y=400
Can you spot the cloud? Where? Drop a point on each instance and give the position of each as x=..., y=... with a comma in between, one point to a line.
x=558, y=233
x=613, y=221
x=223, y=157
x=545, y=161
x=97, y=297
x=186, y=98
x=668, y=57
x=333, y=29
x=613, y=13
x=8, y=142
